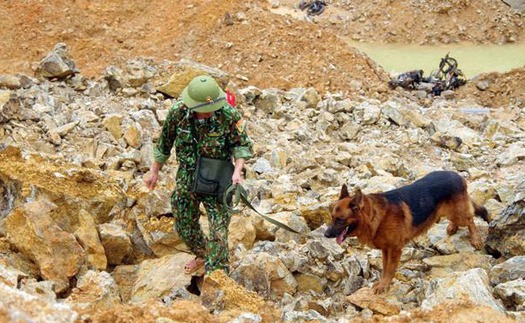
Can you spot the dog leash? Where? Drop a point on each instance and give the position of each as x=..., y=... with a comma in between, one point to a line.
x=240, y=194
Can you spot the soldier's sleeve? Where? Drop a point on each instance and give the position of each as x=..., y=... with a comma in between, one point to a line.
x=239, y=139
x=162, y=151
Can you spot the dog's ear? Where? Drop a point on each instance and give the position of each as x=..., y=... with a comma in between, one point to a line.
x=344, y=192
x=358, y=197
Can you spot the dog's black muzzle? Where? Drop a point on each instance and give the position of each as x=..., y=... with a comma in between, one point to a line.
x=332, y=232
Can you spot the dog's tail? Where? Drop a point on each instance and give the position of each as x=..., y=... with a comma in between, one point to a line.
x=481, y=211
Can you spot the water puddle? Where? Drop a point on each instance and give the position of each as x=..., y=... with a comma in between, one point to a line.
x=397, y=58
x=472, y=59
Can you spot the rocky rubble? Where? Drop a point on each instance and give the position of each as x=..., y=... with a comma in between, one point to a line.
x=82, y=240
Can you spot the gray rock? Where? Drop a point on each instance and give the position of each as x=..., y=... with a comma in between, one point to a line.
x=392, y=113
x=138, y=72
x=438, y=238
x=472, y=285
x=297, y=223
x=296, y=316
x=482, y=85
x=57, y=64
x=518, y=5
x=311, y=97
x=27, y=307
x=463, y=162
x=448, y=94
x=506, y=235
x=115, y=78
x=294, y=260
x=262, y=166
x=321, y=249
x=367, y=113
x=268, y=101
x=11, y=82
x=264, y=274
x=512, y=294
x=509, y=270
x=250, y=94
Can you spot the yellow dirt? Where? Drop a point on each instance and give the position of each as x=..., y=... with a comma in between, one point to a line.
x=35, y=171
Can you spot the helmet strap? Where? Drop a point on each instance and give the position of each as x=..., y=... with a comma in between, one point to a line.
x=207, y=103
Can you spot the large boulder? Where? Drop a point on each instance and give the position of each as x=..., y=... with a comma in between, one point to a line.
x=512, y=269
x=265, y=274
x=365, y=298
x=69, y=187
x=184, y=71
x=116, y=242
x=88, y=237
x=506, y=235
x=471, y=286
x=57, y=253
x=220, y=292
x=57, y=64
x=241, y=231
x=19, y=306
x=512, y=294
x=125, y=276
x=157, y=277
x=10, y=276
x=95, y=290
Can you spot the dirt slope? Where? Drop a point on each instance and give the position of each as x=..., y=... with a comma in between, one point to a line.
x=247, y=39
x=423, y=22
x=242, y=37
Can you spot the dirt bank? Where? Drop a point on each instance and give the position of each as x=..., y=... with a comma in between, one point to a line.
x=248, y=39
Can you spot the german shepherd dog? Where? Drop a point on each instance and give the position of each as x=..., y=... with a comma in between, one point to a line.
x=389, y=220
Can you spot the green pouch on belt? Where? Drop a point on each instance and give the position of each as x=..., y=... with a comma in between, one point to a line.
x=212, y=176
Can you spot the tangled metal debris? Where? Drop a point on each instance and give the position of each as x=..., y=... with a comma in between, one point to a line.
x=313, y=8
x=447, y=77
x=407, y=80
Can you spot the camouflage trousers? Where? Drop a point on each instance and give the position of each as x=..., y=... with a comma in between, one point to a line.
x=185, y=206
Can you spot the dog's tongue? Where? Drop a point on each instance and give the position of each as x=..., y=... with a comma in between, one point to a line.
x=340, y=238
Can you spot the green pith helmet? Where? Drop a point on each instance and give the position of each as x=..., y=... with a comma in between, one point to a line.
x=203, y=94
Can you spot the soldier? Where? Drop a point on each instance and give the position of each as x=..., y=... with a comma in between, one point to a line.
x=202, y=123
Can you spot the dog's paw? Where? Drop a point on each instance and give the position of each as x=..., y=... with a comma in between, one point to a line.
x=451, y=229
x=477, y=243
x=380, y=287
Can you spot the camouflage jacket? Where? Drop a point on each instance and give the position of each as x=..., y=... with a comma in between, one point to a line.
x=221, y=136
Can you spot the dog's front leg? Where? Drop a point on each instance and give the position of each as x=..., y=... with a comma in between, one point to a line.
x=385, y=261
x=390, y=262
x=475, y=239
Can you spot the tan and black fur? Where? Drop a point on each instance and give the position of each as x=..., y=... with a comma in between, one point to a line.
x=389, y=220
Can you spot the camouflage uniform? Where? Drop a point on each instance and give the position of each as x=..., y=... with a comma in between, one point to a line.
x=220, y=136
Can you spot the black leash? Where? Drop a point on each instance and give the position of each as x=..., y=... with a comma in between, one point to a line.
x=240, y=194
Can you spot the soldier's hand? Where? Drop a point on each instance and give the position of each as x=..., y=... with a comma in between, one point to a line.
x=236, y=178
x=150, y=179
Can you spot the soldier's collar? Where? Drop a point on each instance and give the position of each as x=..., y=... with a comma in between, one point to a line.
x=215, y=114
